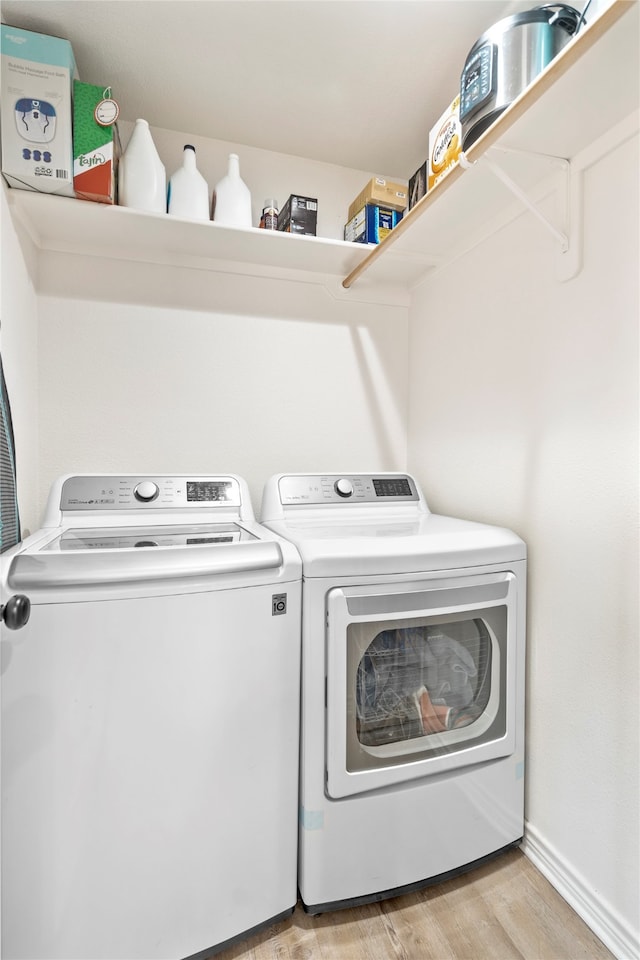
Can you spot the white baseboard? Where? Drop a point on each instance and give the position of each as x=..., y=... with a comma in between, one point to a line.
x=607, y=924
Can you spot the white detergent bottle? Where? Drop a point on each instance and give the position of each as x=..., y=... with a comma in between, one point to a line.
x=232, y=198
x=188, y=193
x=142, y=180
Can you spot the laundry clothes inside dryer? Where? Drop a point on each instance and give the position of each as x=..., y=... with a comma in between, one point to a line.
x=416, y=681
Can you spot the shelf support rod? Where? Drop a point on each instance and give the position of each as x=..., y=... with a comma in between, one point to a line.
x=569, y=260
x=497, y=171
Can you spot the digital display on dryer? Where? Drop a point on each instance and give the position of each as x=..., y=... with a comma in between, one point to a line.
x=207, y=491
x=392, y=487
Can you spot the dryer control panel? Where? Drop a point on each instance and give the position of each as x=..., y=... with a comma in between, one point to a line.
x=347, y=488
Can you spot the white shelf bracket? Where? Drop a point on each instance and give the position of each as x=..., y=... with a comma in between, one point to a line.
x=569, y=240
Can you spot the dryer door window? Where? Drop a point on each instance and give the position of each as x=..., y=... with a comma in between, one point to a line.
x=420, y=679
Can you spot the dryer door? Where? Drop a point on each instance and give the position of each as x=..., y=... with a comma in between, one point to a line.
x=421, y=679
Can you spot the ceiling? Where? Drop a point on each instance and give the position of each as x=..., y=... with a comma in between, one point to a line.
x=355, y=82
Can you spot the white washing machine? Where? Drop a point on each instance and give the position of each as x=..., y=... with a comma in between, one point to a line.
x=150, y=718
x=413, y=656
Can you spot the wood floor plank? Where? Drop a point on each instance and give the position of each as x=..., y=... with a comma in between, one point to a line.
x=556, y=931
x=505, y=910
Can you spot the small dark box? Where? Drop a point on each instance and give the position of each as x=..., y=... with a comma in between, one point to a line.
x=418, y=185
x=299, y=215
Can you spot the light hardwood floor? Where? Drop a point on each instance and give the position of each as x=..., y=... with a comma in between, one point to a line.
x=505, y=910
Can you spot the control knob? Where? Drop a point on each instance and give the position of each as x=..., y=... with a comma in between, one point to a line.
x=146, y=491
x=343, y=487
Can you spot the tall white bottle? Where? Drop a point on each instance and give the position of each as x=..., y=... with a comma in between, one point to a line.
x=232, y=198
x=188, y=193
x=142, y=180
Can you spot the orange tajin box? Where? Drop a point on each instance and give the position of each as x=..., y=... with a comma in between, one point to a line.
x=95, y=143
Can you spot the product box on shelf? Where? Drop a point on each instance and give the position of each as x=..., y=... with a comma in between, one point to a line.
x=418, y=185
x=37, y=74
x=371, y=224
x=382, y=193
x=445, y=143
x=299, y=215
x=95, y=143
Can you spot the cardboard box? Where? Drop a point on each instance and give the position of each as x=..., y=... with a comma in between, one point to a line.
x=382, y=193
x=37, y=73
x=445, y=143
x=299, y=215
x=418, y=185
x=95, y=146
x=371, y=224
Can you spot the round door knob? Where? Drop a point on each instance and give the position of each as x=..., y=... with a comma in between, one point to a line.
x=344, y=487
x=146, y=491
x=16, y=611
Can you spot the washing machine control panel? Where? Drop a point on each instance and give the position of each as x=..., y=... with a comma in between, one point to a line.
x=148, y=493
x=351, y=488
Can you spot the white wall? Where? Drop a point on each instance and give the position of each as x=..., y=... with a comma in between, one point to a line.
x=18, y=342
x=233, y=374
x=524, y=413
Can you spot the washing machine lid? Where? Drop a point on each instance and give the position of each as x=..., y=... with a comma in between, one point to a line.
x=168, y=535
x=404, y=545
x=100, y=559
x=125, y=532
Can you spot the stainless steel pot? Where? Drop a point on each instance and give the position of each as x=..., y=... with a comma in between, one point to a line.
x=506, y=58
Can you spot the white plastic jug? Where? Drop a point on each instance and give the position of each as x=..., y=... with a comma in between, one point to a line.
x=142, y=180
x=188, y=193
x=232, y=198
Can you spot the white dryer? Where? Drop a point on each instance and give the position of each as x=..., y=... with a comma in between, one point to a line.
x=150, y=717
x=413, y=655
